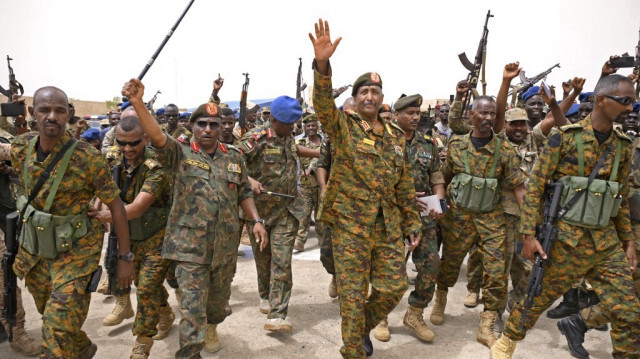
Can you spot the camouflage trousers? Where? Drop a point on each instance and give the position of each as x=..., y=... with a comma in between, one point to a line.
x=376, y=258
x=609, y=273
x=323, y=230
x=457, y=239
x=150, y=269
x=20, y=312
x=274, y=265
x=427, y=262
x=310, y=200
x=62, y=299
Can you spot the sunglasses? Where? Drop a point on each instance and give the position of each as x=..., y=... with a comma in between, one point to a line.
x=132, y=143
x=623, y=100
x=172, y=116
x=205, y=124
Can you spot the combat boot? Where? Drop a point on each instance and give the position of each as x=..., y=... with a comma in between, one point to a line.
x=90, y=352
x=278, y=325
x=211, y=340
x=22, y=342
x=567, y=307
x=485, y=333
x=367, y=345
x=574, y=328
x=142, y=348
x=333, y=288
x=503, y=348
x=264, y=306
x=381, y=331
x=413, y=319
x=164, y=323
x=471, y=300
x=104, y=286
x=437, y=313
x=120, y=312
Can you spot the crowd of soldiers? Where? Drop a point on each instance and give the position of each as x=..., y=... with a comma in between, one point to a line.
x=179, y=190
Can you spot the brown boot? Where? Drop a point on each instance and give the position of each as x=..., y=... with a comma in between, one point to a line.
x=381, y=331
x=333, y=288
x=437, y=313
x=503, y=348
x=211, y=340
x=142, y=348
x=22, y=342
x=120, y=312
x=90, y=352
x=413, y=319
x=485, y=333
x=104, y=286
x=164, y=324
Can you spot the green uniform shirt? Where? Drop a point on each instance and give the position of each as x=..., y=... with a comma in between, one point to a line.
x=307, y=163
x=425, y=166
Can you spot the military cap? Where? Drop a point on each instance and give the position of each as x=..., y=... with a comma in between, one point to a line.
x=366, y=79
x=407, y=101
x=530, y=93
x=104, y=122
x=208, y=109
x=516, y=114
x=91, y=134
x=252, y=106
x=286, y=109
x=586, y=97
x=125, y=105
x=185, y=115
x=636, y=107
x=384, y=108
x=309, y=117
x=265, y=109
x=160, y=111
x=573, y=110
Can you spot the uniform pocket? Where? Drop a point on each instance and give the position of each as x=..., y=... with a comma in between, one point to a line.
x=593, y=211
x=574, y=185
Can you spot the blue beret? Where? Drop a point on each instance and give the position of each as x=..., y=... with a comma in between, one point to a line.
x=125, y=105
x=636, y=107
x=160, y=111
x=91, y=134
x=286, y=109
x=586, y=97
x=185, y=115
x=573, y=110
x=530, y=93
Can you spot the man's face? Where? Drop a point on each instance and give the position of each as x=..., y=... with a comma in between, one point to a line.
x=585, y=109
x=483, y=117
x=534, y=106
x=51, y=111
x=252, y=116
x=184, y=121
x=408, y=118
x=227, y=125
x=172, y=114
x=368, y=100
x=612, y=109
x=282, y=129
x=516, y=131
x=266, y=116
x=311, y=128
x=631, y=123
x=349, y=104
x=444, y=113
x=386, y=116
x=114, y=118
x=131, y=143
x=206, y=131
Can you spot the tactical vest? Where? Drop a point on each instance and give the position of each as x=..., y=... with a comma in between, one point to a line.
x=473, y=193
x=44, y=234
x=602, y=199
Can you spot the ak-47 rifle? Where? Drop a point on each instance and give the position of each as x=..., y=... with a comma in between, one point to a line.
x=527, y=83
x=10, y=279
x=14, y=85
x=630, y=61
x=111, y=257
x=475, y=67
x=337, y=92
x=153, y=100
x=242, y=116
x=300, y=87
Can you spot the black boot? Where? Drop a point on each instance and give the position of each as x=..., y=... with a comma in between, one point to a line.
x=573, y=328
x=567, y=307
x=368, y=346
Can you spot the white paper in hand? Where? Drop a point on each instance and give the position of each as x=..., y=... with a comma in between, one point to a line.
x=433, y=202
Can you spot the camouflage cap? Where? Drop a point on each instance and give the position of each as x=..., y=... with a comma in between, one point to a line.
x=208, y=109
x=516, y=114
x=366, y=79
x=309, y=117
x=266, y=109
x=252, y=107
x=407, y=101
x=384, y=108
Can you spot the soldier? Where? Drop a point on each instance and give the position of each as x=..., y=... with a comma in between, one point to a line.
x=478, y=165
x=308, y=182
x=184, y=121
x=586, y=105
x=444, y=131
x=58, y=277
x=428, y=180
x=174, y=129
x=92, y=136
x=385, y=112
x=228, y=123
x=266, y=114
x=594, y=237
x=209, y=183
x=271, y=155
x=370, y=200
x=110, y=136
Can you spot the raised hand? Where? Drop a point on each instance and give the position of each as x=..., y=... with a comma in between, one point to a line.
x=463, y=86
x=566, y=88
x=217, y=83
x=577, y=84
x=511, y=70
x=545, y=98
x=133, y=90
x=322, y=45
x=607, y=69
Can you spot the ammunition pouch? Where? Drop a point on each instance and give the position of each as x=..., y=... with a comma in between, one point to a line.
x=595, y=208
x=474, y=193
x=634, y=206
x=151, y=222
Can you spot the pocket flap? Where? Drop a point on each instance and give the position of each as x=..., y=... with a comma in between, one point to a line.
x=579, y=183
x=614, y=188
x=192, y=223
x=598, y=186
x=41, y=219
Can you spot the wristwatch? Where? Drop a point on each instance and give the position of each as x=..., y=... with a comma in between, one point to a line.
x=259, y=220
x=127, y=257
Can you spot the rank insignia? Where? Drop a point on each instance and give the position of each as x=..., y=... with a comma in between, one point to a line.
x=272, y=151
x=234, y=167
x=195, y=147
x=222, y=147
x=212, y=109
x=198, y=164
x=270, y=133
x=369, y=142
x=374, y=77
x=365, y=125
x=398, y=150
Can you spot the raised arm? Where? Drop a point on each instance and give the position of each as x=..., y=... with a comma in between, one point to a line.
x=511, y=70
x=134, y=90
x=322, y=46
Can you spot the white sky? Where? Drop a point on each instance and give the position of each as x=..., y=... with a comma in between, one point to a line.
x=90, y=48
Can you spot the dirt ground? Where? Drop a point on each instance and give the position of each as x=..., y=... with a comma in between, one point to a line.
x=316, y=324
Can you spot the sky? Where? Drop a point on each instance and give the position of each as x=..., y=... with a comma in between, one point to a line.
x=91, y=48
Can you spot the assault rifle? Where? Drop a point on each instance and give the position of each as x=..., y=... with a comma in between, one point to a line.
x=153, y=100
x=300, y=87
x=111, y=257
x=474, y=68
x=630, y=61
x=14, y=225
x=527, y=83
x=337, y=92
x=14, y=85
x=546, y=234
x=242, y=116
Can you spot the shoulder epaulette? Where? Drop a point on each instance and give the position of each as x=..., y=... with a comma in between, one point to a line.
x=234, y=148
x=394, y=125
x=258, y=133
x=152, y=164
x=455, y=138
x=573, y=126
x=429, y=139
x=621, y=134
x=182, y=140
x=351, y=113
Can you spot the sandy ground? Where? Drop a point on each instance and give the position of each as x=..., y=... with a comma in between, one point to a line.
x=316, y=324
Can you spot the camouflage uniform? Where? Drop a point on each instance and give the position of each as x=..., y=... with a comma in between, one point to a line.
x=578, y=251
x=370, y=204
x=308, y=190
x=204, y=216
x=149, y=266
x=59, y=285
x=323, y=230
x=461, y=228
x=272, y=160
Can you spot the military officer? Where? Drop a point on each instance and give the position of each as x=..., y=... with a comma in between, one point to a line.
x=174, y=128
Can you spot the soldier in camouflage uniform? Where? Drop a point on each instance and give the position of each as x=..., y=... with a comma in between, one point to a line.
x=308, y=184
x=271, y=155
x=173, y=128
x=425, y=168
x=228, y=124
x=146, y=197
x=209, y=182
x=58, y=279
x=370, y=201
x=606, y=253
